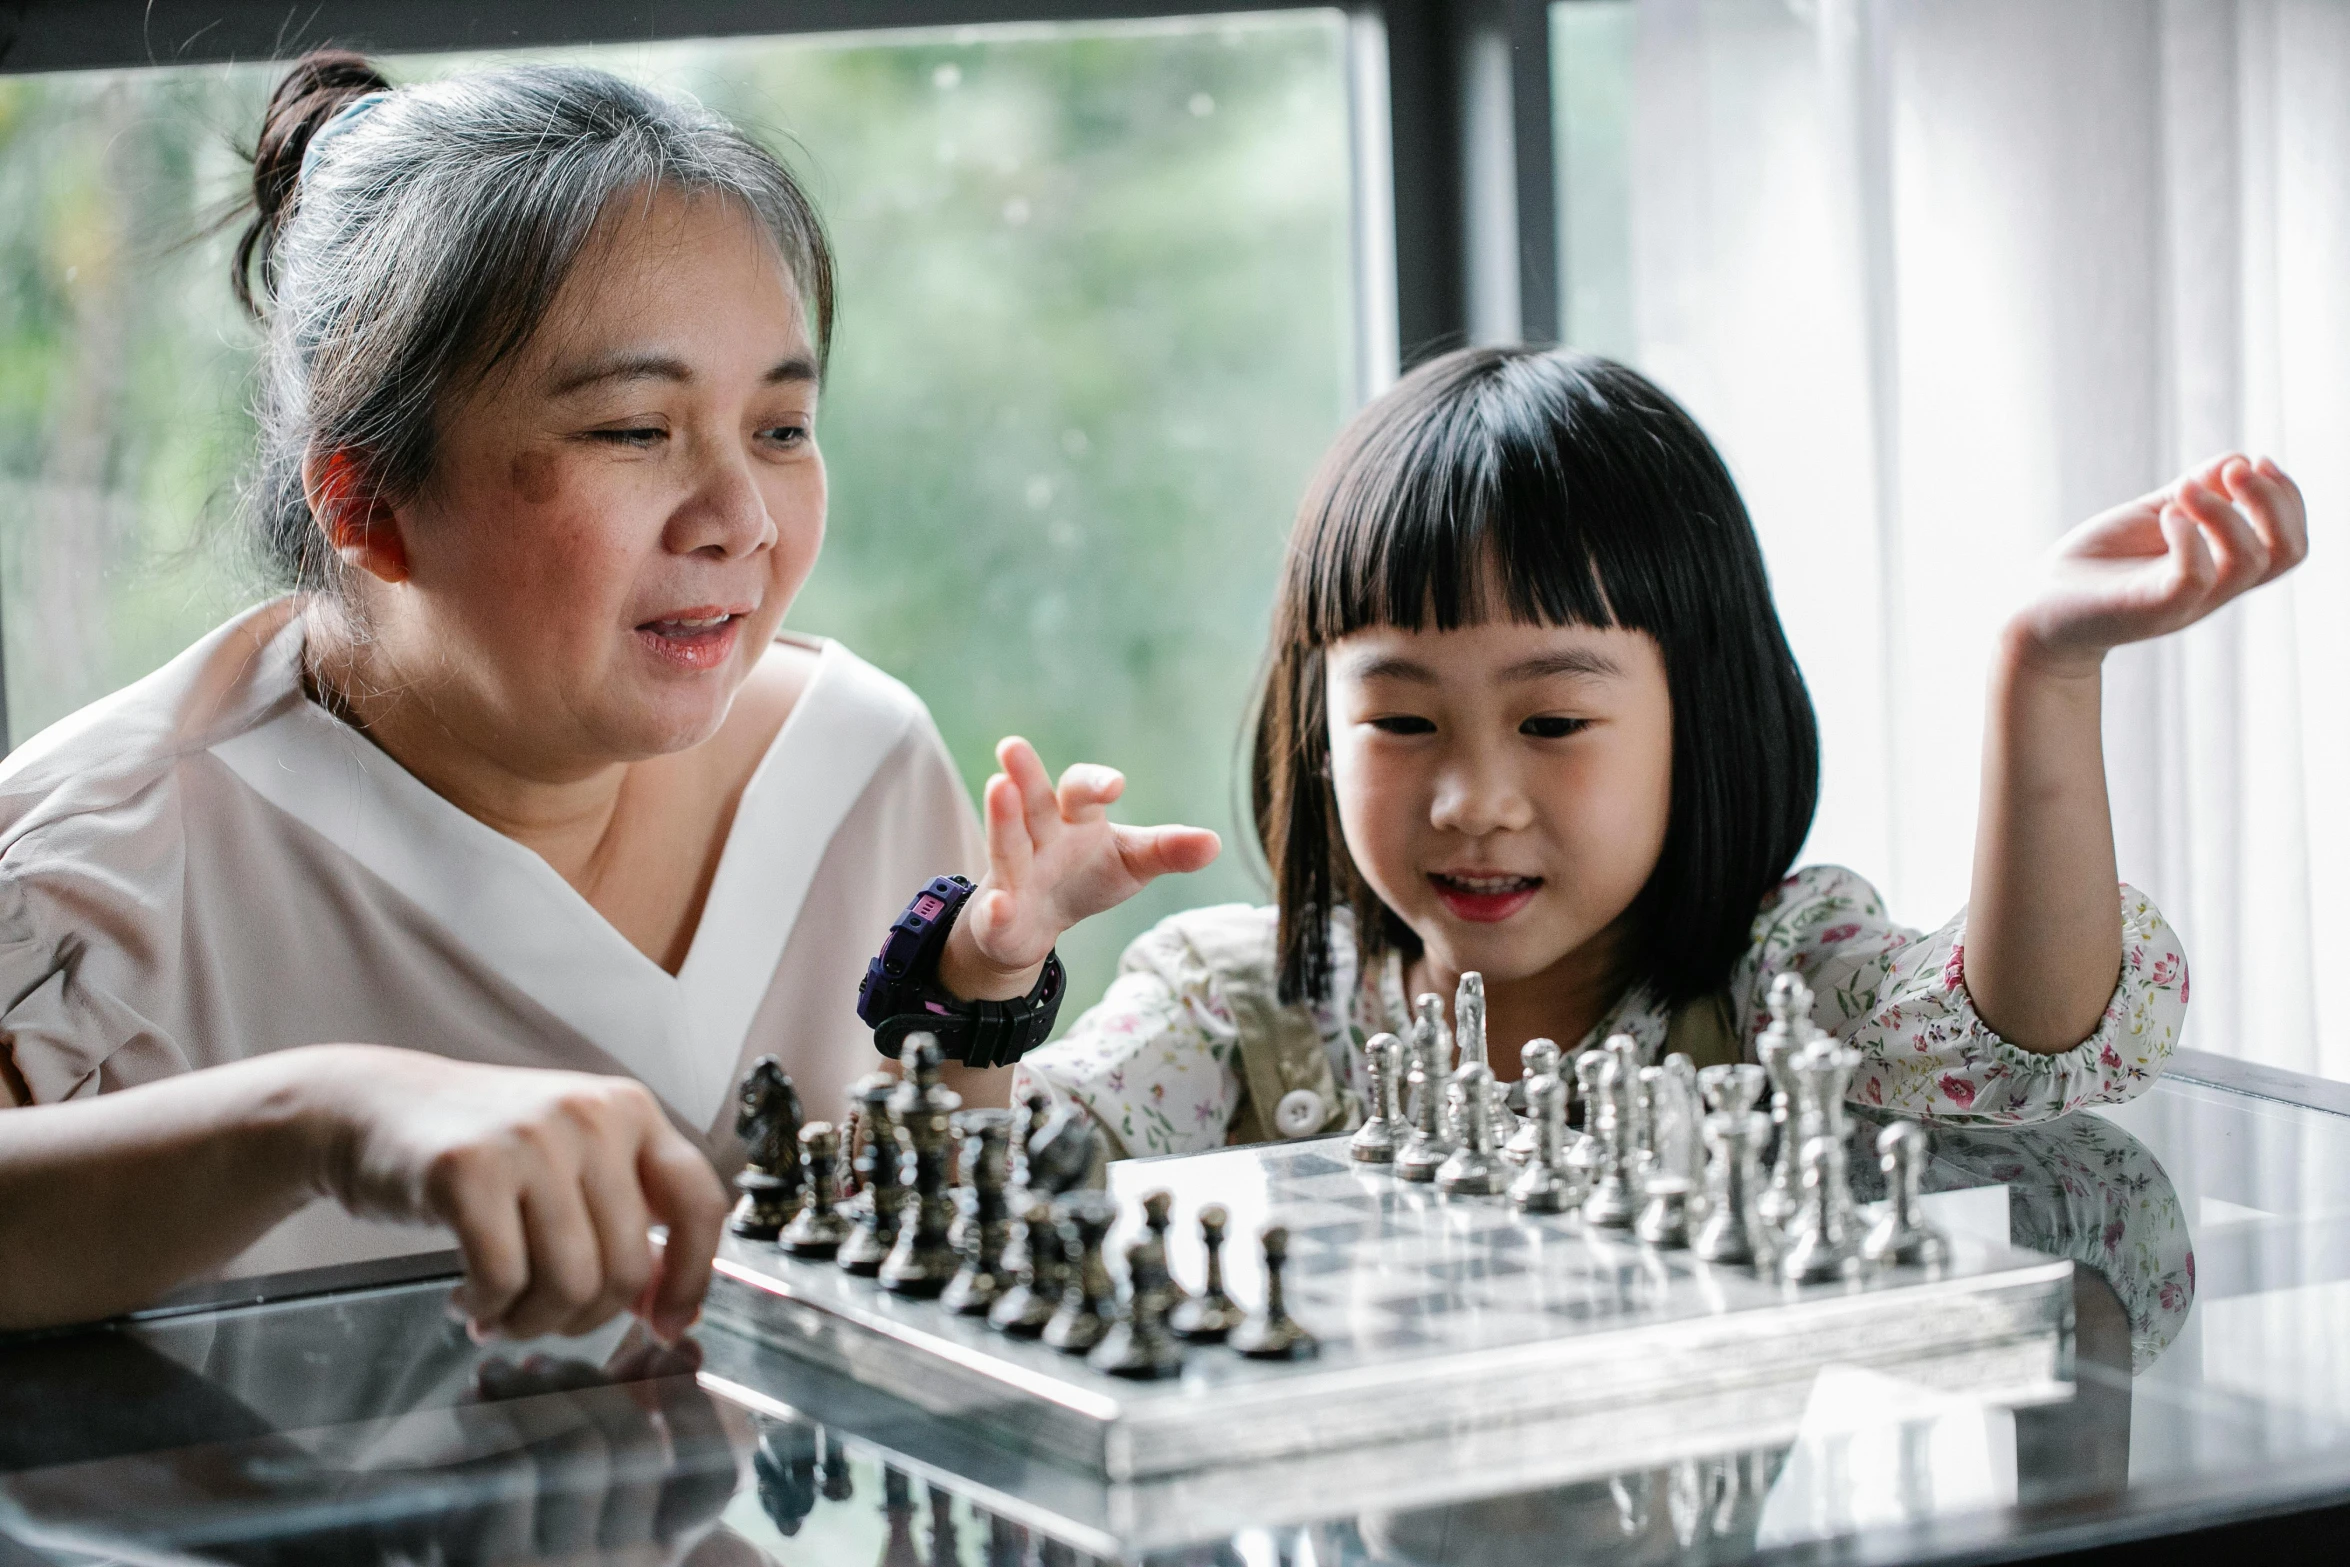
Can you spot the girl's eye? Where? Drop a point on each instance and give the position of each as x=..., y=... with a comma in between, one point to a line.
x=1403, y=724
x=1551, y=728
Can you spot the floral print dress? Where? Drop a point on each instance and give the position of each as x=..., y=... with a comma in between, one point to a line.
x=1157, y=1062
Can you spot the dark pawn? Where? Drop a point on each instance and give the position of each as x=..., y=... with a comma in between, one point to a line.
x=852, y=1138
x=1037, y=1267
x=1276, y=1335
x=767, y=1116
x=1207, y=1317
x=1155, y=1209
x=922, y=1110
x=1088, y=1301
x=987, y=1225
x=1139, y=1345
x=817, y=1229
x=880, y=1199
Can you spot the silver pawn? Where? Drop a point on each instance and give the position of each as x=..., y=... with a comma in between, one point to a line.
x=1614, y=1199
x=1427, y=1147
x=1900, y=1237
x=1436, y=1037
x=1545, y=1185
x=1664, y=1217
x=1377, y=1139
x=1540, y=1059
x=1583, y=1150
x=1474, y=1169
x=1734, y=1143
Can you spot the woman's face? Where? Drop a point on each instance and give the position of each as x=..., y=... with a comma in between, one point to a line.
x=1503, y=788
x=618, y=520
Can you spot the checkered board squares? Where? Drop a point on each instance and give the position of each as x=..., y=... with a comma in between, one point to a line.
x=1435, y=1315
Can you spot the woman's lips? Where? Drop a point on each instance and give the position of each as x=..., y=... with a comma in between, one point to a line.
x=1483, y=899
x=695, y=639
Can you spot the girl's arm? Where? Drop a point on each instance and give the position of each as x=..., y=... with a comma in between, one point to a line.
x=549, y=1179
x=2044, y=935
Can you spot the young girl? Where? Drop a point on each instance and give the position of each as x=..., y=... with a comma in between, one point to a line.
x=1528, y=711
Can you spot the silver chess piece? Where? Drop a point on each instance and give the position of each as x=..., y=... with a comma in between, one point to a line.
x=1731, y=1090
x=767, y=1116
x=1427, y=1147
x=1089, y=1301
x=1468, y=1014
x=1821, y=1244
x=1734, y=1143
x=1822, y=1070
x=1545, y=1185
x=1211, y=1315
x=1664, y=1212
x=1436, y=1037
x=1790, y=1030
x=817, y=1229
x=1274, y=1334
x=1673, y=1116
x=874, y=1216
x=1900, y=1237
x=1540, y=1059
x=980, y=1281
x=1378, y=1138
x=1038, y=1272
x=1614, y=1200
x=1474, y=1169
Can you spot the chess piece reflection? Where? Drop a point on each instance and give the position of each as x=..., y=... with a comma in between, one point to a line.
x=1376, y=1140
x=817, y=1229
x=980, y=1281
x=1275, y=1334
x=1211, y=1315
x=945, y=1549
x=768, y=1118
x=838, y=1484
x=898, y=1548
x=1474, y=1169
x=1900, y=1237
x=922, y=1109
x=784, y=1465
x=1088, y=1303
x=880, y=1201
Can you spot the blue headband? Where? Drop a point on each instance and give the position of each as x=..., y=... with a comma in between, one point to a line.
x=349, y=115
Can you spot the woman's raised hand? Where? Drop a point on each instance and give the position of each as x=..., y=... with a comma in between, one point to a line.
x=1054, y=857
x=550, y=1180
x=2163, y=562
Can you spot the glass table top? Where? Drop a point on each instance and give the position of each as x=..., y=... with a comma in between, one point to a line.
x=2209, y=1224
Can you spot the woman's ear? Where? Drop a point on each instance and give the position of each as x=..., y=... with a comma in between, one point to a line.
x=351, y=513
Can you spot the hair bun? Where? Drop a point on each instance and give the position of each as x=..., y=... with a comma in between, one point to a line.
x=321, y=83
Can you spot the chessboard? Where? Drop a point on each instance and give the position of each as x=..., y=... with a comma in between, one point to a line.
x=1440, y=1318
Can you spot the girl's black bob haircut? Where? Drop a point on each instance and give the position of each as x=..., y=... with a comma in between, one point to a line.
x=1583, y=495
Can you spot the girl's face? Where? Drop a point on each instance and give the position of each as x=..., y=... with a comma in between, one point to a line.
x=1504, y=787
x=619, y=520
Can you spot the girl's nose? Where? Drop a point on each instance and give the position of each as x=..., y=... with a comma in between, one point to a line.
x=1477, y=795
x=725, y=515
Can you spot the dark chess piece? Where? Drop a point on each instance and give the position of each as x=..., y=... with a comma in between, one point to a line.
x=838, y=1484
x=1037, y=1269
x=1088, y=1302
x=1156, y=1207
x=817, y=1229
x=1275, y=1335
x=1066, y=1154
x=1036, y=1108
x=897, y=1506
x=768, y=1118
x=1211, y=1314
x=880, y=1196
x=784, y=1464
x=922, y=1110
x=852, y=1137
x=1138, y=1345
x=945, y=1549
x=987, y=1225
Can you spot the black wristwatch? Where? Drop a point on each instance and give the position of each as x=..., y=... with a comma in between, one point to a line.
x=901, y=994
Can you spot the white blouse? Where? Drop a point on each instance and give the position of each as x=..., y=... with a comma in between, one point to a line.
x=209, y=865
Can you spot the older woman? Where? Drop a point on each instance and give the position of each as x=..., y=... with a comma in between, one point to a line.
x=520, y=771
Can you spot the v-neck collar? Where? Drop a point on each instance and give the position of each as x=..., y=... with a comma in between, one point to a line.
x=681, y=1034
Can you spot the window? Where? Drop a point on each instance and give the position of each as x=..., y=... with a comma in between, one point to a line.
x=1097, y=323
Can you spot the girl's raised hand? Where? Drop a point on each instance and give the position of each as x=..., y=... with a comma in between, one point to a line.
x=2163, y=562
x=1054, y=857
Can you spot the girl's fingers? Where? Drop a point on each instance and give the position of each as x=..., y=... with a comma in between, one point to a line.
x=1010, y=848
x=1149, y=852
x=1087, y=791
x=1026, y=770
x=2238, y=551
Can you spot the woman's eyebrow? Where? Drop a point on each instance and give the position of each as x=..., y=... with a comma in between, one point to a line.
x=619, y=367
x=1588, y=663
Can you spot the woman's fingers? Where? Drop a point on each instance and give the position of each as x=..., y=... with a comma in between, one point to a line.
x=683, y=1192
x=467, y=1190
x=616, y=1208
x=2192, y=569
x=566, y=1262
x=2239, y=553
x=2272, y=501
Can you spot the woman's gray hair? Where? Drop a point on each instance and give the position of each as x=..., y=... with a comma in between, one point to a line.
x=408, y=246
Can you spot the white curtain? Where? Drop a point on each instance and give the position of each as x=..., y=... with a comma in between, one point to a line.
x=1945, y=277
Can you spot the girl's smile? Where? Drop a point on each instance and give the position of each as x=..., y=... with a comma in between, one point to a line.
x=1484, y=898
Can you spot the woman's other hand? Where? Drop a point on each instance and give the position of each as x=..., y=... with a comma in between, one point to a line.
x=551, y=1181
x=1054, y=857
x=2161, y=563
